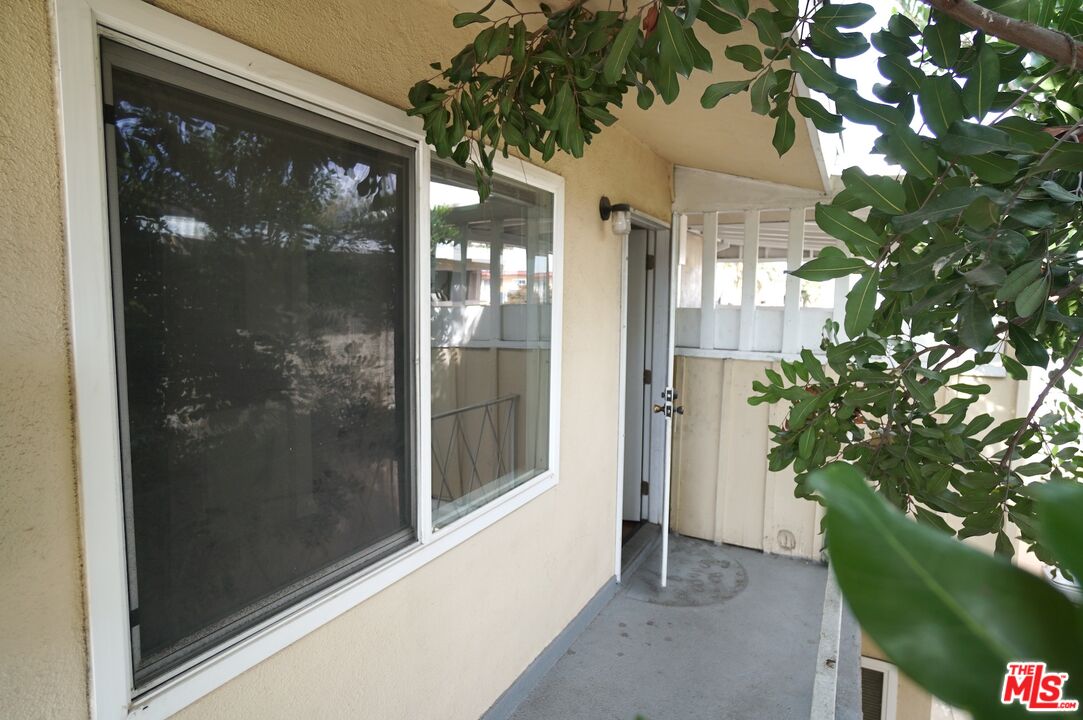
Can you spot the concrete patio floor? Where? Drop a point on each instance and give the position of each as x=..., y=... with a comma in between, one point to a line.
x=734, y=636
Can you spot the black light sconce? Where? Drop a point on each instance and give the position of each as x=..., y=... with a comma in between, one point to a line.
x=621, y=213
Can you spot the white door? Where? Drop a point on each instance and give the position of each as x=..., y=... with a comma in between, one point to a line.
x=667, y=406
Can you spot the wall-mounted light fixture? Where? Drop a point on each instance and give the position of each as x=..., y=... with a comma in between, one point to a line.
x=620, y=212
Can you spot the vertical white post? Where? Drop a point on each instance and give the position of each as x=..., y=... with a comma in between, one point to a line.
x=750, y=253
x=496, y=248
x=707, y=298
x=791, y=313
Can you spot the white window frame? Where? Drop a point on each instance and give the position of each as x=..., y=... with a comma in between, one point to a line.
x=889, y=700
x=79, y=26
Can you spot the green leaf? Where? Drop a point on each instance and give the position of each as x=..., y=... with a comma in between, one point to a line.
x=985, y=275
x=468, y=18
x=865, y=112
x=902, y=26
x=806, y=442
x=673, y=42
x=691, y=11
x=617, y=58
x=975, y=324
x=766, y=29
x=830, y=263
x=785, y=132
x=817, y=74
x=845, y=16
x=949, y=616
x=882, y=193
x=983, y=213
x=719, y=21
x=1019, y=279
x=1025, y=133
x=858, y=235
x=942, y=42
x=887, y=42
x=1060, y=506
x=911, y=151
x=949, y=203
x=1056, y=192
x=1032, y=297
x=714, y=93
x=760, y=92
x=991, y=168
x=970, y=139
x=861, y=303
x=737, y=7
x=748, y=55
x=941, y=103
x=824, y=120
x=826, y=41
x=1067, y=156
x=1014, y=368
x=644, y=97
x=981, y=86
x=898, y=69
x=1028, y=350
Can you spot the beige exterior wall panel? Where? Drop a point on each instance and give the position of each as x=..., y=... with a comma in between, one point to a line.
x=42, y=671
x=695, y=444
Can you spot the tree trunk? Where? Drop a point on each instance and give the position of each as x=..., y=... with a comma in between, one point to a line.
x=1057, y=46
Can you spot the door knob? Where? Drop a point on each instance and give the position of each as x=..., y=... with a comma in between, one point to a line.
x=658, y=408
x=679, y=410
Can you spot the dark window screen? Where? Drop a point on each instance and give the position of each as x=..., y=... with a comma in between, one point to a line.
x=260, y=282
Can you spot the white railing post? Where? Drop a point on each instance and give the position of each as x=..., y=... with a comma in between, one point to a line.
x=750, y=254
x=496, y=249
x=707, y=297
x=791, y=313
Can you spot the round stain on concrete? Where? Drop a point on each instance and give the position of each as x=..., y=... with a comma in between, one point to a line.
x=700, y=573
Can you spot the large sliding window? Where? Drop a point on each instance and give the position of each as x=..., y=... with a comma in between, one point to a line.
x=261, y=285
x=492, y=311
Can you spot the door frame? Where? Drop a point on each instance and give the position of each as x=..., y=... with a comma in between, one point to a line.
x=650, y=223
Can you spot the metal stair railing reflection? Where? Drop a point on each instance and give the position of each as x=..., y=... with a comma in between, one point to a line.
x=489, y=453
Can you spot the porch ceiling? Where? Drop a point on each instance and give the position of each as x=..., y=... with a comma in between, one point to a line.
x=730, y=138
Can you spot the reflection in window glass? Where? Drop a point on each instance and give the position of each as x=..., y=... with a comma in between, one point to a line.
x=261, y=334
x=490, y=348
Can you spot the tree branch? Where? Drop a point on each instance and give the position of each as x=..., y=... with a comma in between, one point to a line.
x=1054, y=378
x=1057, y=46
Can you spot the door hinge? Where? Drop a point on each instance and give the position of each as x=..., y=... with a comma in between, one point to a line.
x=644, y=487
x=109, y=114
x=648, y=377
x=650, y=262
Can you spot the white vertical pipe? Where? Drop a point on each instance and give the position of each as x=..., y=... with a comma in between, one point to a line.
x=748, y=280
x=707, y=298
x=791, y=313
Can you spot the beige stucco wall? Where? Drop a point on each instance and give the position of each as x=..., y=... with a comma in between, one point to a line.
x=42, y=671
x=448, y=639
